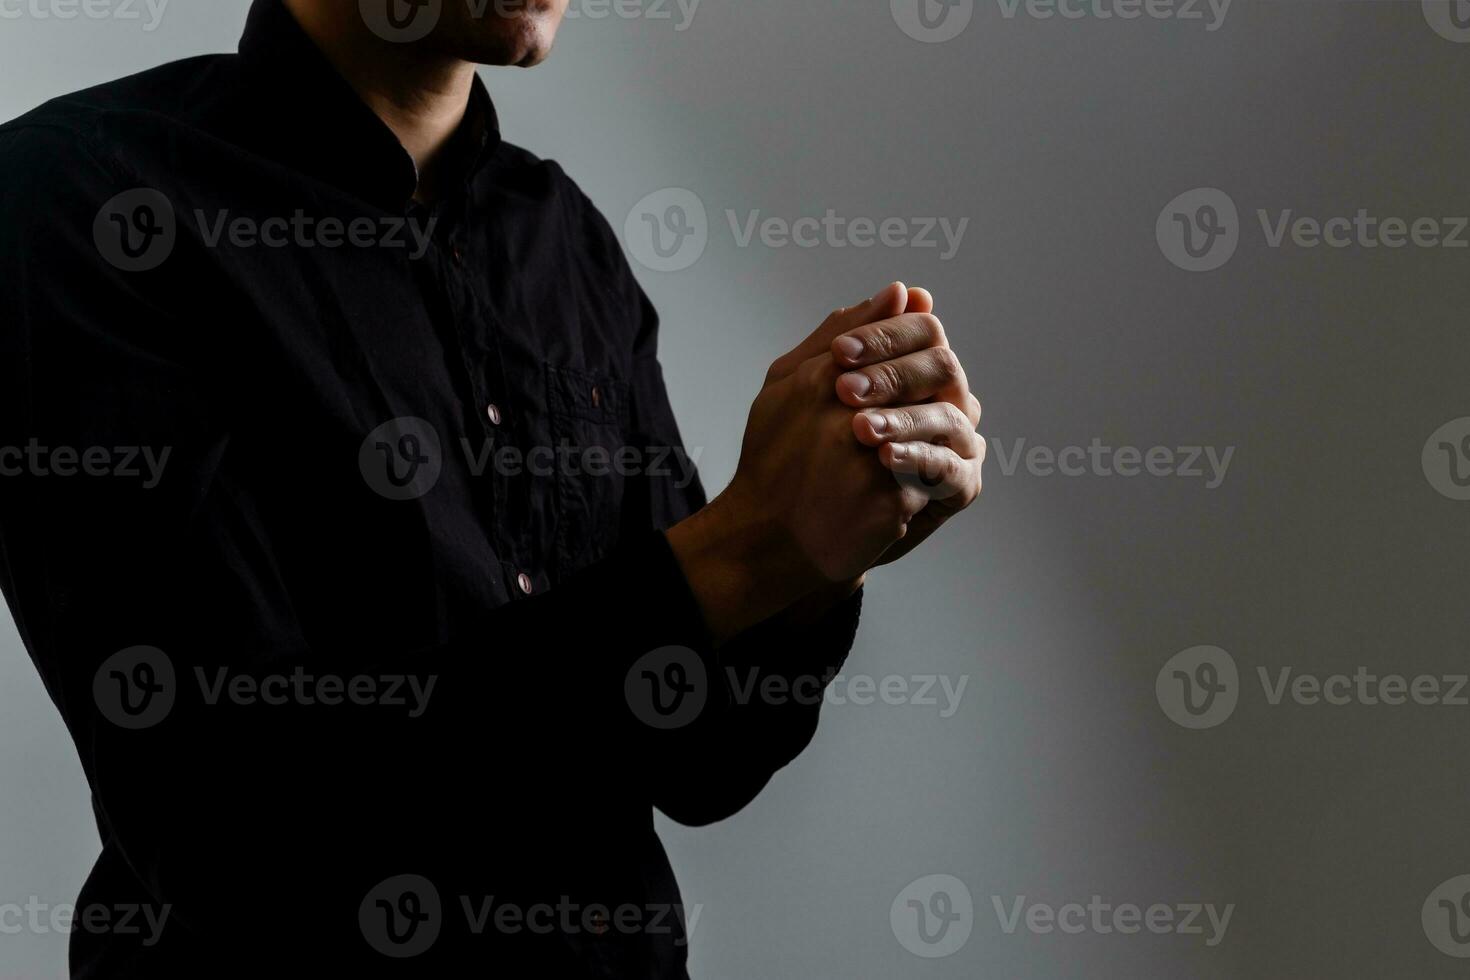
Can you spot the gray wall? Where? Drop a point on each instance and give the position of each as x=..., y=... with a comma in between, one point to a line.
x=1061, y=599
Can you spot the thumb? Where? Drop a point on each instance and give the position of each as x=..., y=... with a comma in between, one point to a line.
x=888, y=302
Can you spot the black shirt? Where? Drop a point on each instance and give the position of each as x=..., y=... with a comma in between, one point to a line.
x=279, y=449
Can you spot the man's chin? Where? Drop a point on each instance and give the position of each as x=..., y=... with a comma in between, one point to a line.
x=520, y=44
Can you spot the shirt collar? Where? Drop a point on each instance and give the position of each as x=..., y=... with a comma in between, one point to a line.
x=318, y=123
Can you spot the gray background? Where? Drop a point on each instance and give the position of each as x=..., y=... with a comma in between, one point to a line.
x=1325, y=549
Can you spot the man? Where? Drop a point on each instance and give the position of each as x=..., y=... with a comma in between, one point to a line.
x=416, y=611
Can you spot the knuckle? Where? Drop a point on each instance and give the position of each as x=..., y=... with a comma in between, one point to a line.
x=886, y=378
x=901, y=422
x=972, y=491
x=954, y=419
x=809, y=373
x=946, y=362
x=880, y=341
x=932, y=327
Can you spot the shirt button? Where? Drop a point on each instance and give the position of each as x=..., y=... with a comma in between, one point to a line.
x=596, y=396
x=524, y=581
x=493, y=412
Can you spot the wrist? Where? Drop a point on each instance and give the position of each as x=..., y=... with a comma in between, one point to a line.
x=812, y=607
x=741, y=565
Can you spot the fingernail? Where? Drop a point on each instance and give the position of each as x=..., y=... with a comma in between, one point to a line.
x=877, y=422
x=857, y=384
x=897, y=453
x=850, y=347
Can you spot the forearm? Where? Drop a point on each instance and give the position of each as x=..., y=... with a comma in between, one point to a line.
x=742, y=569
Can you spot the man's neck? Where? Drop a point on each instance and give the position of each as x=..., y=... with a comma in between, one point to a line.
x=422, y=97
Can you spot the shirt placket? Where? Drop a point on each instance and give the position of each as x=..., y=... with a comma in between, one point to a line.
x=494, y=406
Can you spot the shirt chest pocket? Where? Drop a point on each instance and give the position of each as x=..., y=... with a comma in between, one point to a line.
x=589, y=421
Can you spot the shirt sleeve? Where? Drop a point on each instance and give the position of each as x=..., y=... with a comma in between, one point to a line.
x=759, y=707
